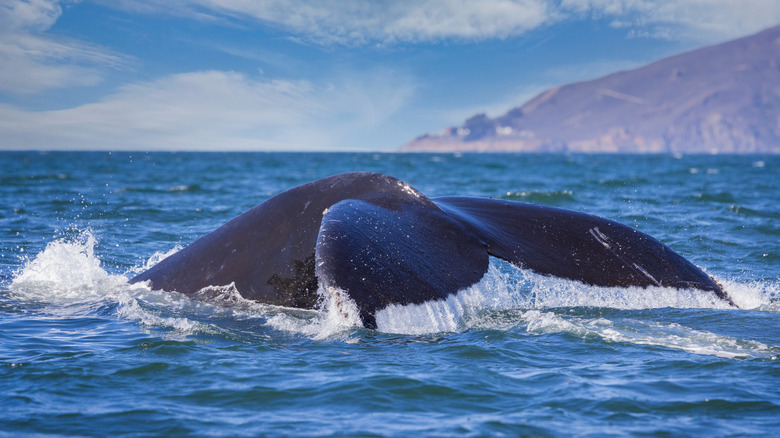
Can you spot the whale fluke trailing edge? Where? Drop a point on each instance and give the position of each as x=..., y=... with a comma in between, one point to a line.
x=381, y=242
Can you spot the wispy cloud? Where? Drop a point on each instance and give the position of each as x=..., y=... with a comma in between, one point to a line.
x=229, y=110
x=31, y=61
x=215, y=110
x=359, y=22
x=29, y=14
x=703, y=21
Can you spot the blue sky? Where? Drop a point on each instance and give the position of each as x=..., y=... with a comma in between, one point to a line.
x=316, y=75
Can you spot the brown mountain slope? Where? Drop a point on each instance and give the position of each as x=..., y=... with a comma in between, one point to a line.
x=723, y=98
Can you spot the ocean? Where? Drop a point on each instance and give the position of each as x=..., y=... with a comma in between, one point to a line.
x=83, y=353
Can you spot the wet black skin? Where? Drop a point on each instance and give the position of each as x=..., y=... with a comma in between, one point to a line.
x=382, y=242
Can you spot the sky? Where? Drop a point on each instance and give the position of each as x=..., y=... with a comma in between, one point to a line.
x=316, y=75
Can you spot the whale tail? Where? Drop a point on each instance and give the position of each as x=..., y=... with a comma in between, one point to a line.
x=382, y=242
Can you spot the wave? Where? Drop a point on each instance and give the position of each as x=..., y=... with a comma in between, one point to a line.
x=654, y=333
x=68, y=279
x=182, y=188
x=540, y=197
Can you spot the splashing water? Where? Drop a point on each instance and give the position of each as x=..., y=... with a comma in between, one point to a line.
x=67, y=272
x=86, y=354
x=68, y=277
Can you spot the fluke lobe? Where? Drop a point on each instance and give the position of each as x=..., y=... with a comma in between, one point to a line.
x=381, y=242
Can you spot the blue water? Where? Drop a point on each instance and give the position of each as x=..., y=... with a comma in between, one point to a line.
x=82, y=353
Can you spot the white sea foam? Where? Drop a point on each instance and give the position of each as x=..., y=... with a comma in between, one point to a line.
x=154, y=259
x=68, y=278
x=337, y=318
x=506, y=288
x=456, y=313
x=65, y=270
x=669, y=335
x=506, y=298
x=135, y=308
x=754, y=295
x=549, y=292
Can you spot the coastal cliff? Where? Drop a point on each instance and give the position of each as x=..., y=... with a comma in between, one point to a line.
x=718, y=99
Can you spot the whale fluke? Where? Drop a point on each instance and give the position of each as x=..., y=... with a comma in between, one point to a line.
x=381, y=242
x=396, y=253
x=578, y=246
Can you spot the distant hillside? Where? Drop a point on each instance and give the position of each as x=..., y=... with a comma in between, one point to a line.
x=718, y=99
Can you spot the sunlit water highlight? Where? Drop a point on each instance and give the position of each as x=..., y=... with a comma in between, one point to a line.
x=85, y=353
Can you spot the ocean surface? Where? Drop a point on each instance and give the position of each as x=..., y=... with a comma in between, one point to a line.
x=82, y=353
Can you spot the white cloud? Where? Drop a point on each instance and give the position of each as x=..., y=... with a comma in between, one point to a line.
x=29, y=15
x=704, y=21
x=31, y=61
x=218, y=111
x=226, y=110
x=367, y=22
x=356, y=22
